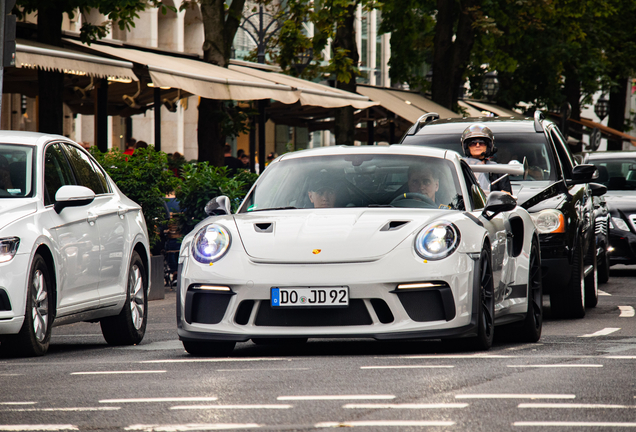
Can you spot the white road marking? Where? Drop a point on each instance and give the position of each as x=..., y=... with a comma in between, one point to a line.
x=206, y=407
x=215, y=360
x=603, y=293
x=558, y=366
x=572, y=424
x=571, y=405
x=406, y=406
x=452, y=356
x=381, y=423
x=620, y=357
x=626, y=311
x=190, y=427
x=409, y=367
x=161, y=399
x=335, y=397
x=39, y=427
x=603, y=332
x=515, y=396
x=119, y=372
x=18, y=403
x=68, y=409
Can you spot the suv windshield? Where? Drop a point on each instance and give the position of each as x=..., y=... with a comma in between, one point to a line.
x=510, y=146
x=616, y=174
x=358, y=180
x=16, y=169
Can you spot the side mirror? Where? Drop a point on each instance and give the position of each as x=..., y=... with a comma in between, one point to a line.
x=498, y=202
x=72, y=196
x=598, y=189
x=584, y=173
x=218, y=206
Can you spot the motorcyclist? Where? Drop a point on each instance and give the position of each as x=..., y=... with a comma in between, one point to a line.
x=478, y=144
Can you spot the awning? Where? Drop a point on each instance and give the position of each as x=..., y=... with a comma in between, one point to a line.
x=311, y=93
x=495, y=109
x=408, y=105
x=609, y=132
x=200, y=78
x=470, y=110
x=35, y=55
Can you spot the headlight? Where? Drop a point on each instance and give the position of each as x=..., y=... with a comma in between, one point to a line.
x=620, y=224
x=437, y=240
x=210, y=243
x=549, y=221
x=8, y=248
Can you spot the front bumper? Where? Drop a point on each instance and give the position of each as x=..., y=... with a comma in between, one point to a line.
x=623, y=247
x=555, y=262
x=13, y=278
x=376, y=310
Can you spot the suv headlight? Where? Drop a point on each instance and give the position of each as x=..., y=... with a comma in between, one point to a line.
x=620, y=224
x=437, y=240
x=8, y=248
x=549, y=221
x=210, y=243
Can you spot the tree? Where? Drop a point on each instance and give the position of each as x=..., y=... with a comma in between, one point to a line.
x=333, y=22
x=49, y=20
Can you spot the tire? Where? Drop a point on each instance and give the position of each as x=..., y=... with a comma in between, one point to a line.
x=603, y=266
x=569, y=302
x=209, y=348
x=280, y=341
x=591, y=280
x=35, y=335
x=532, y=325
x=485, y=305
x=129, y=327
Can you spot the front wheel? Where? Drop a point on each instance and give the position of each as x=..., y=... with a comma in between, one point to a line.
x=533, y=324
x=486, y=304
x=35, y=335
x=569, y=301
x=129, y=327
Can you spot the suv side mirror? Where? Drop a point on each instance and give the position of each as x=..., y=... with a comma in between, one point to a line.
x=598, y=189
x=218, y=206
x=498, y=202
x=584, y=173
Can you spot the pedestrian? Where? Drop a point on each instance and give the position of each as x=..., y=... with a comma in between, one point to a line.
x=230, y=161
x=130, y=146
x=141, y=144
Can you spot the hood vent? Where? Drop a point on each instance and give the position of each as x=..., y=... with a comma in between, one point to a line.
x=265, y=227
x=394, y=225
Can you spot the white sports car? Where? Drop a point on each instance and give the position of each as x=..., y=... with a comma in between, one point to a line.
x=385, y=242
x=72, y=246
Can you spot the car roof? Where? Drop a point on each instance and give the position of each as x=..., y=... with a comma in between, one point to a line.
x=612, y=155
x=28, y=138
x=395, y=149
x=496, y=125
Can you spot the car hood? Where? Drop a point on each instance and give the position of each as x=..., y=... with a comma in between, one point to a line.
x=12, y=209
x=527, y=194
x=623, y=202
x=328, y=235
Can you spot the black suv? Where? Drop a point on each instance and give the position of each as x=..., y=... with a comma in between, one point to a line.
x=556, y=192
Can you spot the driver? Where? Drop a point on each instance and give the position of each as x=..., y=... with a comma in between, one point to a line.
x=423, y=180
x=322, y=191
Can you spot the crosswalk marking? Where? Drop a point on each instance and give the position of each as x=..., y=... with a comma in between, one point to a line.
x=571, y=405
x=406, y=406
x=334, y=397
x=161, y=399
x=515, y=396
x=626, y=311
x=385, y=423
x=603, y=332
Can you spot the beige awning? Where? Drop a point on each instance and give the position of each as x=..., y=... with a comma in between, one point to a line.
x=35, y=55
x=470, y=110
x=311, y=93
x=495, y=109
x=410, y=106
x=201, y=78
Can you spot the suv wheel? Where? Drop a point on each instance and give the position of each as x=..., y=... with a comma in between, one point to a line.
x=570, y=301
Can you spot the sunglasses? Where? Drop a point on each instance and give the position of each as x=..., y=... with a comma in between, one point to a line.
x=476, y=143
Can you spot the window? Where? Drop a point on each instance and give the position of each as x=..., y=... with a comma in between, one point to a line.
x=85, y=171
x=57, y=173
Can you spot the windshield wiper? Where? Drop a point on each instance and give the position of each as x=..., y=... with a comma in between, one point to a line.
x=380, y=205
x=275, y=208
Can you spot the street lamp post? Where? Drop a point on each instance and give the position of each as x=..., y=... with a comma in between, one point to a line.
x=601, y=108
x=490, y=85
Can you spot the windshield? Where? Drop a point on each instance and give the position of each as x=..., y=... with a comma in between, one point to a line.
x=541, y=165
x=360, y=180
x=16, y=170
x=616, y=174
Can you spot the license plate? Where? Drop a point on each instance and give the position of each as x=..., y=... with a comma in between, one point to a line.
x=310, y=297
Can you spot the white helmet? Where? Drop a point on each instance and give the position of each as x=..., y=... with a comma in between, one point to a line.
x=482, y=132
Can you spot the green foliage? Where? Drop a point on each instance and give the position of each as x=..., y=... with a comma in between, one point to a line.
x=143, y=177
x=203, y=182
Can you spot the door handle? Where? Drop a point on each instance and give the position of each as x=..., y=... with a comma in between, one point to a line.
x=121, y=212
x=92, y=217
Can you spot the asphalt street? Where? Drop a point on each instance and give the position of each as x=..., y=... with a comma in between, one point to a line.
x=579, y=376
